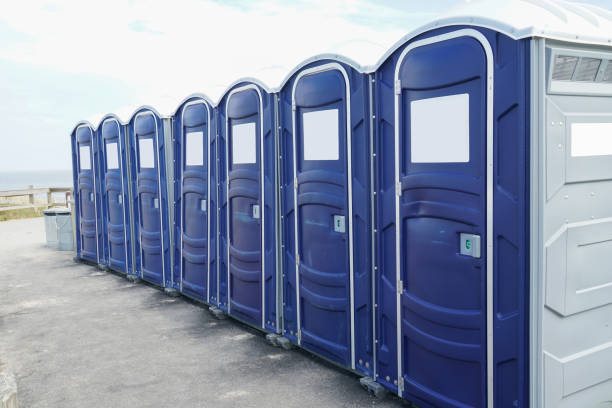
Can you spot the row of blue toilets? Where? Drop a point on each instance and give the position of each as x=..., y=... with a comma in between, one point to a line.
x=279, y=209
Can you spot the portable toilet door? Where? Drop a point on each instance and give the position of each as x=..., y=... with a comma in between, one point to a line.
x=89, y=244
x=326, y=211
x=196, y=197
x=115, y=194
x=148, y=150
x=246, y=123
x=452, y=232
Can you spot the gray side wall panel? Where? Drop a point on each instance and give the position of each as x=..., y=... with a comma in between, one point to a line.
x=576, y=264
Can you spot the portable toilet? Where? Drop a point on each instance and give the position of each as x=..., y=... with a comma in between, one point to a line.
x=115, y=194
x=494, y=202
x=248, y=282
x=325, y=179
x=150, y=148
x=88, y=212
x=195, y=209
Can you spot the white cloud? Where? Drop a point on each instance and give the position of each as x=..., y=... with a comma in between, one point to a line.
x=170, y=49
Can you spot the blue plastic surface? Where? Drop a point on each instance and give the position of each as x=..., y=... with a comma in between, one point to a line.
x=115, y=194
x=195, y=206
x=89, y=240
x=443, y=301
x=150, y=200
x=249, y=212
x=322, y=197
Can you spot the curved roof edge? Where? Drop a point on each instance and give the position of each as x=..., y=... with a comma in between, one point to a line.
x=321, y=57
x=110, y=116
x=194, y=95
x=241, y=80
x=81, y=123
x=489, y=25
x=145, y=107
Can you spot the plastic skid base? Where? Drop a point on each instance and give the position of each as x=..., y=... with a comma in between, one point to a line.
x=279, y=341
x=171, y=292
x=373, y=387
x=218, y=313
x=132, y=278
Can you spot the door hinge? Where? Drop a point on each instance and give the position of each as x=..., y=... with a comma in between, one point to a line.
x=400, y=287
x=299, y=335
x=398, y=87
x=295, y=183
x=398, y=188
x=293, y=107
x=400, y=384
x=297, y=259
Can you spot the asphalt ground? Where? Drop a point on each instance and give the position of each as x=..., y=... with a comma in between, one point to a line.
x=75, y=336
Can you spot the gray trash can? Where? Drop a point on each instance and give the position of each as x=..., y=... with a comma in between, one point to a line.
x=58, y=229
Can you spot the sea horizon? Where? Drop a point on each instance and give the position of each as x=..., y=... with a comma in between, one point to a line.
x=20, y=180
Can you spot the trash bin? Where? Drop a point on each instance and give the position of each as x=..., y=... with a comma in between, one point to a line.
x=58, y=229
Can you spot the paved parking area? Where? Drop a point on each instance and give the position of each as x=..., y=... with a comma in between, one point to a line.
x=78, y=337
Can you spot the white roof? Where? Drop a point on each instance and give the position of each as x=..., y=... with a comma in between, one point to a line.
x=518, y=19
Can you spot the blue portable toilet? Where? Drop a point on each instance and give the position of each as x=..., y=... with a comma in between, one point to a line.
x=195, y=207
x=115, y=193
x=325, y=179
x=494, y=173
x=150, y=154
x=86, y=179
x=248, y=282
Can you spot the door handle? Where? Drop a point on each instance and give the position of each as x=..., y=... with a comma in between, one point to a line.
x=156, y=203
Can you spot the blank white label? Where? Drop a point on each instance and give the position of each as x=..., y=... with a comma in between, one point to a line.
x=194, y=149
x=112, y=156
x=591, y=139
x=244, y=146
x=146, y=153
x=84, y=158
x=440, y=129
x=321, y=135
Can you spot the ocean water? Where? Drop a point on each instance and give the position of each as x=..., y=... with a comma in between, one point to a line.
x=45, y=178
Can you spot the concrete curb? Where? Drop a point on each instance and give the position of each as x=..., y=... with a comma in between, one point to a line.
x=8, y=390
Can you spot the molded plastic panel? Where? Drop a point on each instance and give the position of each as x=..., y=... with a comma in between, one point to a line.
x=194, y=255
x=577, y=249
x=443, y=300
x=443, y=330
x=151, y=206
x=89, y=245
x=321, y=108
x=115, y=195
x=247, y=252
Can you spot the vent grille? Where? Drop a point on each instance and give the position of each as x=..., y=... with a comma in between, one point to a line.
x=587, y=70
x=607, y=75
x=564, y=67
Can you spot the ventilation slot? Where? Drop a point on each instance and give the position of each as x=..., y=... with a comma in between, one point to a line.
x=564, y=67
x=587, y=70
x=607, y=75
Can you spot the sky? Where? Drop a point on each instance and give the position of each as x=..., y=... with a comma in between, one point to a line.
x=62, y=61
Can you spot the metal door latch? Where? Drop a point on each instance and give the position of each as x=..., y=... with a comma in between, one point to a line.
x=339, y=225
x=120, y=199
x=469, y=244
x=256, y=214
x=203, y=206
x=156, y=203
